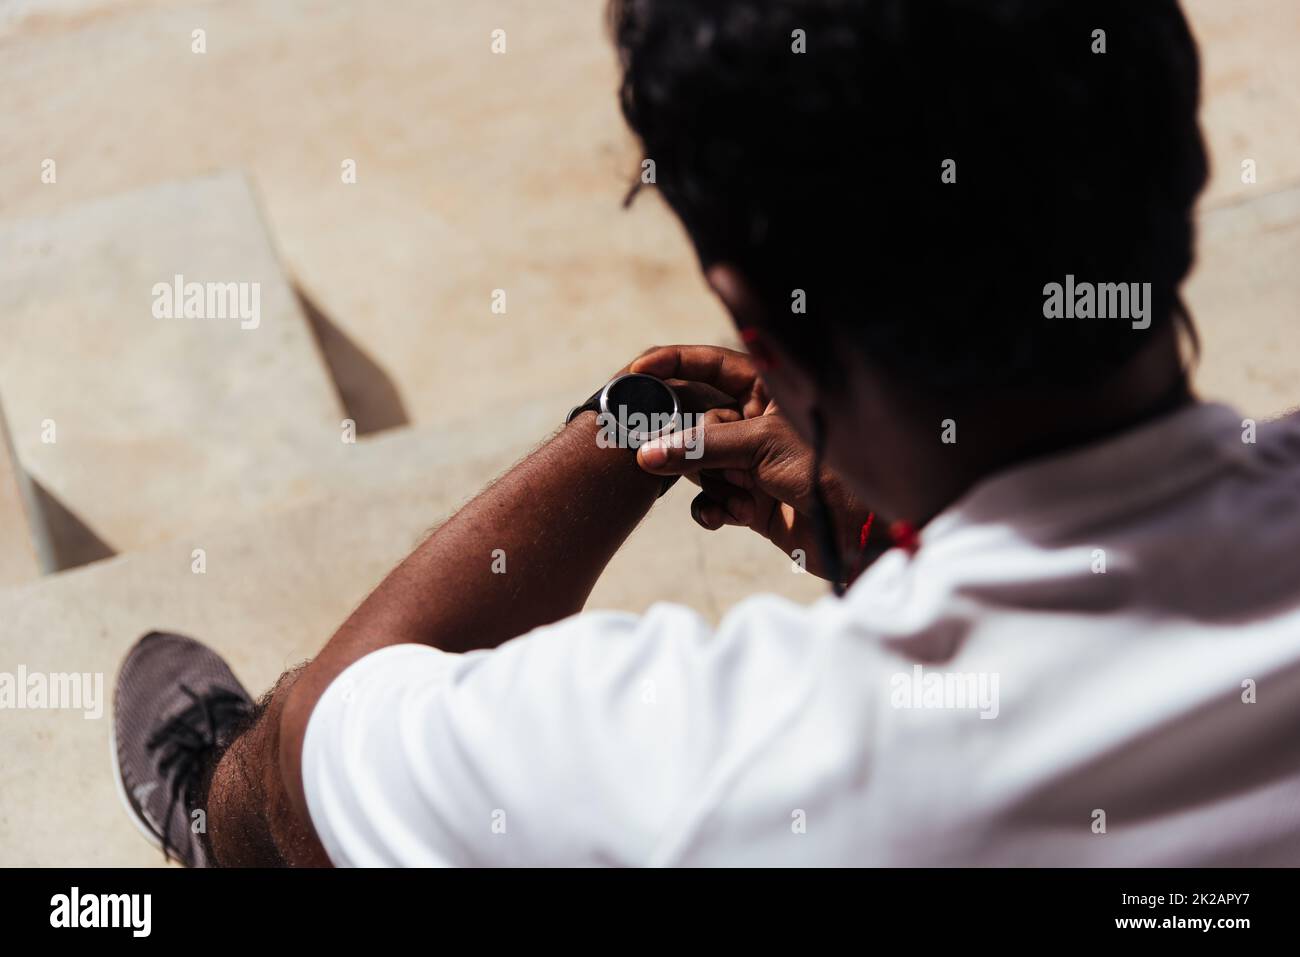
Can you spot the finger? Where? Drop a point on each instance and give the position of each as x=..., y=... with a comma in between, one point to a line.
x=725, y=369
x=736, y=477
x=738, y=504
x=722, y=445
x=713, y=416
x=707, y=513
x=759, y=402
x=712, y=514
x=716, y=416
x=697, y=397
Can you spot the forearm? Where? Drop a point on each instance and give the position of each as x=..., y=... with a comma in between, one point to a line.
x=526, y=552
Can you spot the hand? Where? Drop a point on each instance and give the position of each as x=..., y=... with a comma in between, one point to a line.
x=754, y=469
x=706, y=378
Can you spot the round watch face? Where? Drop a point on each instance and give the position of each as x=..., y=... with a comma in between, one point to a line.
x=641, y=407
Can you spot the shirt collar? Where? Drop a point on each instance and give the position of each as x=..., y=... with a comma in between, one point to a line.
x=1141, y=465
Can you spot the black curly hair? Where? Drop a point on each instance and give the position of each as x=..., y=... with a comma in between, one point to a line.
x=820, y=170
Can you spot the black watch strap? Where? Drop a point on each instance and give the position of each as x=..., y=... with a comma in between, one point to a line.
x=593, y=405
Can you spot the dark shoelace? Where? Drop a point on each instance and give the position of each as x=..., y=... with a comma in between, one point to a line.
x=186, y=742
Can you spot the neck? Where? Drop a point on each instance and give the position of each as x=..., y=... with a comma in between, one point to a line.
x=914, y=475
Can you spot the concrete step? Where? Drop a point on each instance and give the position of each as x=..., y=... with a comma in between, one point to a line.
x=475, y=172
x=273, y=591
x=133, y=421
x=19, y=548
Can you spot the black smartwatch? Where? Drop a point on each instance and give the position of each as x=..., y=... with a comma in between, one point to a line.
x=634, y=408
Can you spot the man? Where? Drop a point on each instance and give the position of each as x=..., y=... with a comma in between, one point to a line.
x=1084, y=644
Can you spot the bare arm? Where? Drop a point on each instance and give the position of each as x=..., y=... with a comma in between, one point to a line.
x=558, y=517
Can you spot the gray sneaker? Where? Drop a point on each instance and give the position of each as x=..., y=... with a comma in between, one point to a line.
x=177, y=705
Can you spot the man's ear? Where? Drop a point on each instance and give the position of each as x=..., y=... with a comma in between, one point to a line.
x=787, y=380
x=736, y=294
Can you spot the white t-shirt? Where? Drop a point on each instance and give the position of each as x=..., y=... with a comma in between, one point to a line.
x=1093, y=659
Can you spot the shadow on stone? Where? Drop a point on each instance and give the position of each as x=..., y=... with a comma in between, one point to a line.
x=368, y=394
x=72, y=542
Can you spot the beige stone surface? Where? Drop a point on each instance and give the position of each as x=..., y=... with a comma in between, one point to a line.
x=18, y=550
x=273, y=592
x=137, y=426
x=475, y=172
x=1250, y=92
x=31, y=18
x=1245, y=297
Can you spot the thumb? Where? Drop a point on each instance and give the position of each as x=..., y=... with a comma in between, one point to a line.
x=713, y=445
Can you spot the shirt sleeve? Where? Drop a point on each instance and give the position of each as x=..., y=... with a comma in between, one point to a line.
x=582, y=743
